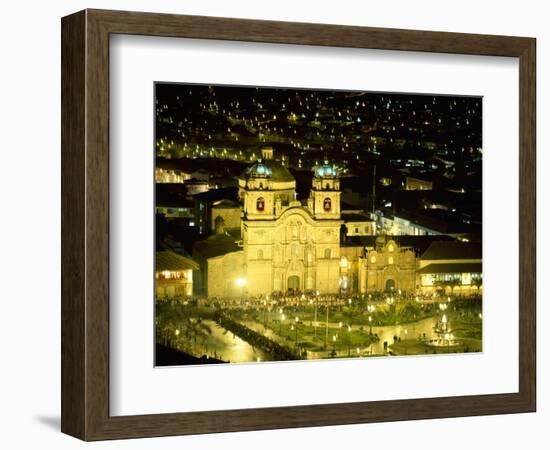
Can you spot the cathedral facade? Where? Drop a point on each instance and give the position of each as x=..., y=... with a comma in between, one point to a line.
x=287, y=245
x=387, y=267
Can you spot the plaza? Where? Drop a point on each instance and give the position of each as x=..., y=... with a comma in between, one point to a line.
x=313, y=327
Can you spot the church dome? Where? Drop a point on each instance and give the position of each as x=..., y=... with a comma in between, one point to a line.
x=325, y=171
x=258, y=170
x=268, y=169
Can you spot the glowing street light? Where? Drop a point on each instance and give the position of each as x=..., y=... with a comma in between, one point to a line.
x=241, y=282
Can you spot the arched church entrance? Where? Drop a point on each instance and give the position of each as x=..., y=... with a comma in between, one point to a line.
x=390, y=284
x=293, y=284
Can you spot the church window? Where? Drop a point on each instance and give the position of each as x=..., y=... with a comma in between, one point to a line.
x=327, y=253
x=327, y=204
x=390, y=248
x=260, y=254
x=260, y=204
x=390, y=260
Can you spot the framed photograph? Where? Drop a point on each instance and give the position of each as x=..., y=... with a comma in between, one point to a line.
x=273, y=225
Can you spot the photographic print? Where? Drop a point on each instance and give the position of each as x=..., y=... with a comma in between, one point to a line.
x=301, y=224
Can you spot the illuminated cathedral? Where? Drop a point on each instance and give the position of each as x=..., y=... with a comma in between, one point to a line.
x=287, y=245
x=290, y=246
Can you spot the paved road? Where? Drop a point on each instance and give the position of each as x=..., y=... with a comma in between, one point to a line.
x=230, y=347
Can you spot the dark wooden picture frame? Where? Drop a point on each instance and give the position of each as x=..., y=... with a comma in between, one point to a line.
x=85, y=224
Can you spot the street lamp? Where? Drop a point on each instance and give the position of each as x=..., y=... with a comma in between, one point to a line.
x=241, y=282
x=295, y=328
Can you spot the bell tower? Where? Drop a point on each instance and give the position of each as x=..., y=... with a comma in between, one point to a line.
x=325, y=193
x=258, y=196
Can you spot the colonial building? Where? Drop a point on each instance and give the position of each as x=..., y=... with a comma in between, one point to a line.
x=387, y=267
x=271, y=242
x=287, y=245
x=358, y=224
x=173, y=275
x=170, y=171
x=417, y=184
x=451, y=267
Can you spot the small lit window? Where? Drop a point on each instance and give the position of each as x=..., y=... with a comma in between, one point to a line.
x=390, y=260
x=260, y=204
x=327, y=204
x=373, y=259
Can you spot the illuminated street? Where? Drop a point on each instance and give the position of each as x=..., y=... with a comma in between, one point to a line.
x=258, y=333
